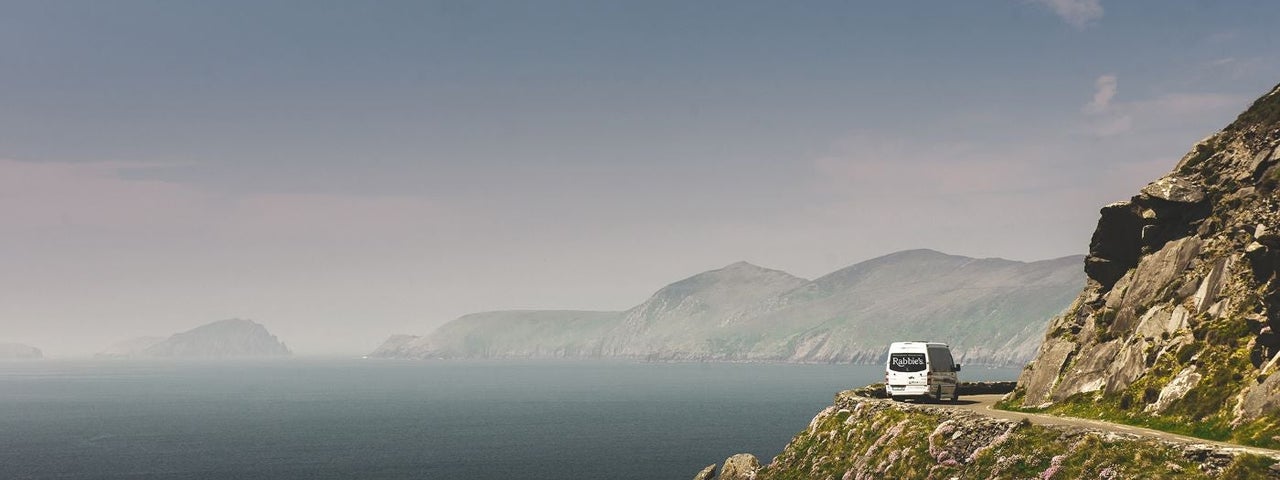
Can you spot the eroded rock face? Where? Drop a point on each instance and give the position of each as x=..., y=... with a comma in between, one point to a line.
x=742, y=466
x=1209, y=289
x=1183, y=277
x=1090, y=371
x=1153, y=277
x=1116, y=243
x=1176, y=389
x=1263, y=399
x=1042, y=374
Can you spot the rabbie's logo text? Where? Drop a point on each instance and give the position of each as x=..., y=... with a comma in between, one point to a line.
x=907, y=361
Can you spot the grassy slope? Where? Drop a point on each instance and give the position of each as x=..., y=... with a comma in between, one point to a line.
x=903, y=443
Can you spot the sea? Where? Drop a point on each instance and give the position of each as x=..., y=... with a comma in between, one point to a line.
x=387, y=419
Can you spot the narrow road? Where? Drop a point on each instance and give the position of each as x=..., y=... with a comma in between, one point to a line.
x=984, y=404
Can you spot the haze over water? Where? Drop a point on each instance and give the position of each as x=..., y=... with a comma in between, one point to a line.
x=307, y=419
x=343, y=171
x=305, y=164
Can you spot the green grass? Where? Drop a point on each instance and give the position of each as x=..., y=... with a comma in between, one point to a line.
x=1249, y=467
x=1205, y=412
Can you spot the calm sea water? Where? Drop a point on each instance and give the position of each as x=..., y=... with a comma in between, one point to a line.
x=315, y=419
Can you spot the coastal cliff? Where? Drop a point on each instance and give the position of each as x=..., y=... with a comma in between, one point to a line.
x=1176, y=330
x=1177, y=326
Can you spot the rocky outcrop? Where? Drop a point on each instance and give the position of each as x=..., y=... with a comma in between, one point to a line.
x=991, y=311
x=1178, y=320
x=708, y=473
x=742, y=466
x=398, y=346
x=16, y=351
x=222, y=339
x=866, y=438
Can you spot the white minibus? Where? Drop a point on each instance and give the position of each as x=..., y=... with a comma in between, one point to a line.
x=921, y=371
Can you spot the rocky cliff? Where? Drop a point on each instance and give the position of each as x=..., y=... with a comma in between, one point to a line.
x=866, y=438
x=221, y=339
x=992, y=311
x=19, y=351
x=1177, y=325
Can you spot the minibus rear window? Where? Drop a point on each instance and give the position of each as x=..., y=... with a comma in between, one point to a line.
x=907, y=362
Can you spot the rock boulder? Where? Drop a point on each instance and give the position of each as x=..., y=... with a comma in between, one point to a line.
x=1174, y=189
x=708, y=473
x=742, y=466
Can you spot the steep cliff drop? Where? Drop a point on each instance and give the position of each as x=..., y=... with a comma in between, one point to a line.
x=1177, y=325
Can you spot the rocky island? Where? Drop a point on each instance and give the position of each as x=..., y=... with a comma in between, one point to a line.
x=993, y=310
x=1175, y=329
x=16, y=351
x=222, y=339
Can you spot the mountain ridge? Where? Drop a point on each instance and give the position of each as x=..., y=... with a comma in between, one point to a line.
x=745, y=312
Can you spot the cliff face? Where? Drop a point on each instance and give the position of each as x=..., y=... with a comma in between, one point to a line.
x=992, y=311
x=1177, y=324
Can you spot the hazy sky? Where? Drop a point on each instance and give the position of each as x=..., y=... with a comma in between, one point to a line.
x=341, y=171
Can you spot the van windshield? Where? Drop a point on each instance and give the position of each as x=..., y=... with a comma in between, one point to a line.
x=906, y=362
